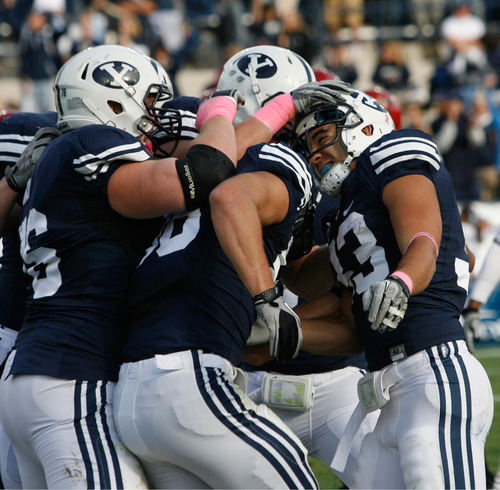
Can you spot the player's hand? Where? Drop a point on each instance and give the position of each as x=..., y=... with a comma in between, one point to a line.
x=285, y=333
x=472, y=326
x=303, y=233
x=386, y=303
x=234, y=94
x=326, y=91
x=18, y=175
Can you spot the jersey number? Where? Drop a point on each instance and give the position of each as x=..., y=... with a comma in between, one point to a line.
x=42, y=263
x=356, y=245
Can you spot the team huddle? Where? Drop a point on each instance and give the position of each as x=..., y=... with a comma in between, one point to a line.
x=203, y=293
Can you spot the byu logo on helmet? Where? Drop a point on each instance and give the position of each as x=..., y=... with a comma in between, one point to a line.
x=262, y=65
x=108, y=73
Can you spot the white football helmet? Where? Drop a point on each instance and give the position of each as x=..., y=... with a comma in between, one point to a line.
x=136, y=85
x=354, y=112
x=262, y=72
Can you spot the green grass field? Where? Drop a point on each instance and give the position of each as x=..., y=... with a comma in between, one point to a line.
x=490, y=359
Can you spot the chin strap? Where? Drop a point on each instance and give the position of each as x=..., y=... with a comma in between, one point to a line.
x=332, y=180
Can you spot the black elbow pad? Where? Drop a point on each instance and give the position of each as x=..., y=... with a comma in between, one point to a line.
x=200, y=171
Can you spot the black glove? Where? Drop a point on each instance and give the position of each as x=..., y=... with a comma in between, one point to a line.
x=326, y=91
x=18, y=175
x=234, y=94
x=303, y=233
x=386, y=303
x=285, y=333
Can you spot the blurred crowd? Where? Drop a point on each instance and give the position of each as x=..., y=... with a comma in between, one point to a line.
x=459, y=106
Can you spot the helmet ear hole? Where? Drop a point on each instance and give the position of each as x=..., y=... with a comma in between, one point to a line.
x=368, y=130
x=115, y=106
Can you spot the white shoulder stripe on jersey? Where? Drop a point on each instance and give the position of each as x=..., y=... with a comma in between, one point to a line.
x=396, y=141
x=402, y=158
x=91, y=165
x=405, y=151
x=15, y=137
x=409, y=146
x=292, y=161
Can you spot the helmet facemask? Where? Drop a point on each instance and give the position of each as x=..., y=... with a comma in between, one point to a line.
x=352, y=115
x=161, y=125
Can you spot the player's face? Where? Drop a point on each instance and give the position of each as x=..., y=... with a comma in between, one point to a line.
x=326, y=155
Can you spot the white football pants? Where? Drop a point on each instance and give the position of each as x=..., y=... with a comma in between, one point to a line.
x=192, y=427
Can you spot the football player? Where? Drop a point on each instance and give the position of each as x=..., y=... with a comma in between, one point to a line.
x=196, y=295
x=322, y=389
x=16, y=131
x=80, y=241
x=396, y=246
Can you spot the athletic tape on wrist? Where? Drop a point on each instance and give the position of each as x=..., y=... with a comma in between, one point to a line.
x=425, y=234
x=405, y=278
x=218, y=106
x=277, y=112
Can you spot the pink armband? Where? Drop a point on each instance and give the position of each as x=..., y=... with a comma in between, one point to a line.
x=423, y=233
x=277, y=112
x=405, y=278
x=218, y=106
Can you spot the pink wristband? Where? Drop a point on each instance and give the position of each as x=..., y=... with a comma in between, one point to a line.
x=277, y=112
x=405, y=278
x=218, y=106
x=425, y=234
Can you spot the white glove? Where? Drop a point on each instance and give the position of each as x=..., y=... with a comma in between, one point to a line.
x=326, y=91
x=285, y=333
x=472, y=326
x=259, y=333
x=386, y=303
x=18, y=175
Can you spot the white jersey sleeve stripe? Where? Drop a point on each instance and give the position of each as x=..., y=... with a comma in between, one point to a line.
x=400, y=140
x=402, y=158
x=292, y=161
x=91, y=165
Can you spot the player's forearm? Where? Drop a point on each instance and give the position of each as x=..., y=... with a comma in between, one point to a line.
x=251, y=132
x=218, y=132
x=7, y=201
x=239, y=231
x=419, y=262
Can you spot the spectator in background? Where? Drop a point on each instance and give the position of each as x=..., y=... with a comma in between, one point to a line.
x=464, y=52
x=131, y=34
x=267, y=25
x=415, y=116
x=484, y=137
x=337, y=62
x=40, y=61
x=295, y=36
x=98, y=24
x=427, y=12
x=491, y=81
x=339, y=13
x=391, y=71
x=453, y=138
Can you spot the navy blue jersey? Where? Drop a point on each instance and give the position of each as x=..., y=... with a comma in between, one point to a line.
x=364, y=250
x=188, y=108
x=78, y=254
x=186, y=293
x=305, y=362
x=16, y=131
